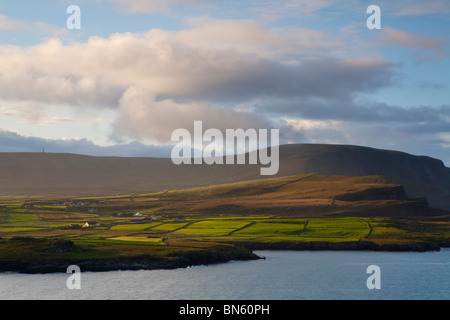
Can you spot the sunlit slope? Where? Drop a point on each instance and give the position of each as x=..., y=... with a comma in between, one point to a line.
x=26, y=174
x=301, y=195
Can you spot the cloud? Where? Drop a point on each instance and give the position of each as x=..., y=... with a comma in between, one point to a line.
x=429, y=139
x=9, y=24
x=229, y=74
x=188, y=67
x=13, y=142
x=150, y=6
x=189, y=64
x=355, y=110
x=395, y=37
x=285, y=44
x=49, y=29
x=142, y=116
x=39, y=27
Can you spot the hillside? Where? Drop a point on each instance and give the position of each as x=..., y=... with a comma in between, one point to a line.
x=307, y=195
x=32, y=174
x=420, y=175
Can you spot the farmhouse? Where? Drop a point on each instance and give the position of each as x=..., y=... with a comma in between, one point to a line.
x=151, y=219
x=91, y=224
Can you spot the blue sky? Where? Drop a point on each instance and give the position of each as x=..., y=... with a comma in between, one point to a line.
x=139, y=69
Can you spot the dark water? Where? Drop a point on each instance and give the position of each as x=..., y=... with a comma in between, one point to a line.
x=284, y=275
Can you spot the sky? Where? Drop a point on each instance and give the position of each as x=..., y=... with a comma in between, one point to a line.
x=137, y=70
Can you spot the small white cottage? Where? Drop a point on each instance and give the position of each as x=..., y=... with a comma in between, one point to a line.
x=91, y=224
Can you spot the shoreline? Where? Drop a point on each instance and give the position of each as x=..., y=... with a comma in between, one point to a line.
x=239, y=252
x=128, y=264
x=346, y=246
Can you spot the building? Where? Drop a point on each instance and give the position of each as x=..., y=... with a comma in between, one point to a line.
x=91, y=224
x=77, y=204
x=151, y=219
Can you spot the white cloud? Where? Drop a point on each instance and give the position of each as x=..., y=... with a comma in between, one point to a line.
x=248, y=36
x=9, y=24
x=142, y=116
x=308, y=124
x=191, y=63
x=158, y=81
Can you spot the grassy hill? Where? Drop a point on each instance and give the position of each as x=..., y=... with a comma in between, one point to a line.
x=43, y=174
x=300, y=196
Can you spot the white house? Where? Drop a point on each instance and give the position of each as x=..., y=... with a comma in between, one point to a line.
x=91, y=224
x=138, y=215
x=152, y=218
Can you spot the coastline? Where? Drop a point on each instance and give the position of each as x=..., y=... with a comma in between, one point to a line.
x=60, y=263
x=239, y=252
x=421, y=246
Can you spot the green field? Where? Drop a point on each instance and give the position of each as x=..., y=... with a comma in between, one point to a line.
x=287, y=211
x=223, y=229
x=135, y=227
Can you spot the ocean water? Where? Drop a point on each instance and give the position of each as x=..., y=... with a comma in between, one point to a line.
x=283, y=275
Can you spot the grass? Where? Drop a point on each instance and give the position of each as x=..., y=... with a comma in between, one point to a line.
x=139, y=239
x=19, y=229
x=135, y=227
x=21, y=217
x=213, y=227
x=168, y=227
x=347, y=228
x=11, y=203
x=275, y=210
x=53, y=207
x=265, y=229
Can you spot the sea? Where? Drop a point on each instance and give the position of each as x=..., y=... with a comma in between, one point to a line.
x=282, y=275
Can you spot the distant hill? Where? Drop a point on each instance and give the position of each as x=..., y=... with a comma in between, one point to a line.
x=420, y=175
x=26, y=174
